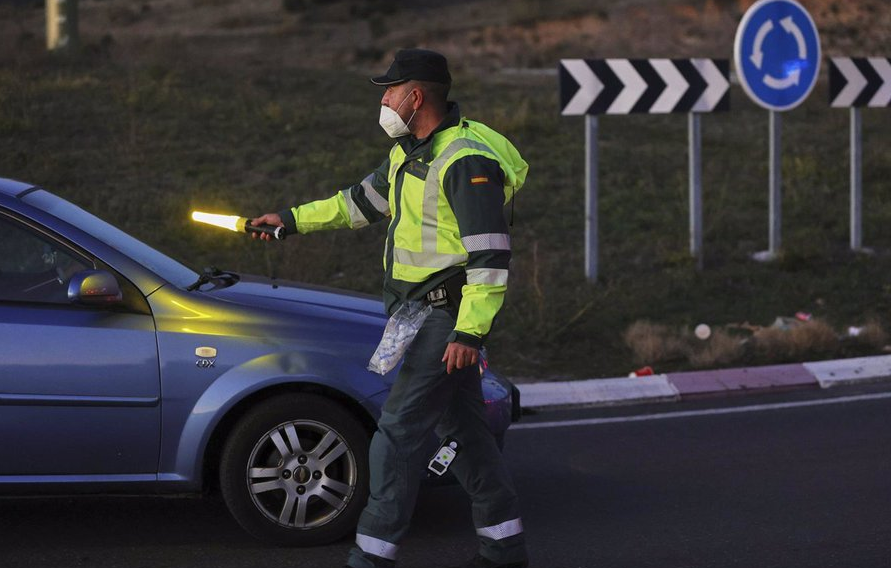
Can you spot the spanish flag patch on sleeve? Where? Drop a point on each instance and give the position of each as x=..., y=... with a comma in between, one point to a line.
x=479, y=179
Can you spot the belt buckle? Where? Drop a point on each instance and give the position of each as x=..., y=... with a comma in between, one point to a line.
x=438, y=297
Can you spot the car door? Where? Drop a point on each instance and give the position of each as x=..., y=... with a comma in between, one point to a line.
x=79, y=386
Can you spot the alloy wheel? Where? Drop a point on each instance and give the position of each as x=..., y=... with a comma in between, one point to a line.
x=301, y=474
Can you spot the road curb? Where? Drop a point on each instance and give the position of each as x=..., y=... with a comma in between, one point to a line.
x=597, y=391
x=673, y=387
x=848, y=371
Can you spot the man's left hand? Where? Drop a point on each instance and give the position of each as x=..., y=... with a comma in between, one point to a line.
x=458, y=356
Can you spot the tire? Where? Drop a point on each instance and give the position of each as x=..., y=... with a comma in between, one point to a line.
x=294, y=470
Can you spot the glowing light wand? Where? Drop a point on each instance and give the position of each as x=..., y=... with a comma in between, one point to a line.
x=238, y=224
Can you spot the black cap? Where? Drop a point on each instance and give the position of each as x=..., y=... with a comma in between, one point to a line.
x=418, y=65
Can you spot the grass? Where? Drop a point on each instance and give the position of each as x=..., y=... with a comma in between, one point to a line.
x=144, y=144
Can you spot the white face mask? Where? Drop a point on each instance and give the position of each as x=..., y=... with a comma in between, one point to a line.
x=392, y=123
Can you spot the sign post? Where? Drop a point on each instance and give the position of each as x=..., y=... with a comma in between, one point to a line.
x=775, y=156
x=777, y=59
x=695, y=159
x=591, y=87
x=592, y=246
x=856, y=83
x=856, y=182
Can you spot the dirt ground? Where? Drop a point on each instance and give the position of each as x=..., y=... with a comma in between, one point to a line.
x=477, y=34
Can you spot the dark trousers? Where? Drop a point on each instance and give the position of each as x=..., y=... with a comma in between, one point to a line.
x=425, y=399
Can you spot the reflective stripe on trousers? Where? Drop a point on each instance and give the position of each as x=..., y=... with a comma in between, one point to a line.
x=503, y=530
x=376, y=546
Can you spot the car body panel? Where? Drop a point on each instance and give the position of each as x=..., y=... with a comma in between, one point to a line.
x=98, y=386
x=249, y=359
x=13, y=188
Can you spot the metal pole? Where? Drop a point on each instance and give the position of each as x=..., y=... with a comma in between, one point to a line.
x=695, y=188
x=591, y=227
x=53, y=31
x=856, y=182
x=776, y=198
x=61, y=25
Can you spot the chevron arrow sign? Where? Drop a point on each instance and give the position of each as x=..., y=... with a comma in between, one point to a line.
x=859, y=82
x=653, y=86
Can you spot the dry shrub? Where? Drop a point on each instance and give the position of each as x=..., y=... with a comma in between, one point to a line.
x=794, y=340
x=815, y=337
x=771, y=343
x=873, y=335
x=719, y=349
x=654, y=343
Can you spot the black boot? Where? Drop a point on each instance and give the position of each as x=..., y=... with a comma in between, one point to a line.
x=480, y=561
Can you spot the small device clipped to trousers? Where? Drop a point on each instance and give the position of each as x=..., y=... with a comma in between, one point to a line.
x=444, y=456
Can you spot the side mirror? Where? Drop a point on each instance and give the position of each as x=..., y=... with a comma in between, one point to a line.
x=94, y=288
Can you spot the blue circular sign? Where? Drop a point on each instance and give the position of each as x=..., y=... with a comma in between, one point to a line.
x=777, y=53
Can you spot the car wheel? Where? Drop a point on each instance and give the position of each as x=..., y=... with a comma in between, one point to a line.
x=294, y=470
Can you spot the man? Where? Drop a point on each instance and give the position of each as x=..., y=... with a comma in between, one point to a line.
x=444, y=186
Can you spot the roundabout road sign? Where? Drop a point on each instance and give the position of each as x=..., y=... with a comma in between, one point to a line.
x=777, y=53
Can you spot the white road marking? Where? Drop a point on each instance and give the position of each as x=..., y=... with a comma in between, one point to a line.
x=706, y=412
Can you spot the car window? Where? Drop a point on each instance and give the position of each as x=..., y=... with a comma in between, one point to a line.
x=34, y=268
x=162, y=265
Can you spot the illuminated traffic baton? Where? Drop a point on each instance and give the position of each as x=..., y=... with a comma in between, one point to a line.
x=238, y=224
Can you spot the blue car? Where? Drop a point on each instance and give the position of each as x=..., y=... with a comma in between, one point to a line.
x=122, y=370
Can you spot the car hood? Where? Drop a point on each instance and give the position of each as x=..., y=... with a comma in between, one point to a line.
x=273, y=293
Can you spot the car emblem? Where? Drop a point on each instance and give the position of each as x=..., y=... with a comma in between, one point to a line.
x=302, y=474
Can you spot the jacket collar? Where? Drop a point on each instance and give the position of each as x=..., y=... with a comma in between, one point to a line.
x=415, y=148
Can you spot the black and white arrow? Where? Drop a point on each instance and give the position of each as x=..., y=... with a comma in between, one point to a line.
x=588, y=86
x=859, y=82
x=716, y=74
x=633, y=86
x=654, y=86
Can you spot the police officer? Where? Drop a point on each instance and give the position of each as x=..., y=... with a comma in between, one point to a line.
x=443, y=187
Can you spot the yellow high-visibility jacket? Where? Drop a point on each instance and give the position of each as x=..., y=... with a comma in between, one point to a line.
x=444, y=196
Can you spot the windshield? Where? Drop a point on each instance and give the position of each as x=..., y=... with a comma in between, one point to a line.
x=162, y=265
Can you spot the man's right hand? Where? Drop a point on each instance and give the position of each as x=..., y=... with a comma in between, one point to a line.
x=269, y=219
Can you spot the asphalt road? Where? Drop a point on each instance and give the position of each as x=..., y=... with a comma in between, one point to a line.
x=794, y=486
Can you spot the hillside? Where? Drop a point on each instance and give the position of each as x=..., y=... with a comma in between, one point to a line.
x=249, y=107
